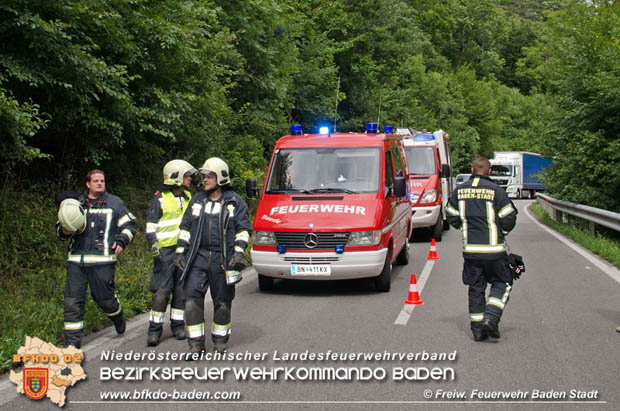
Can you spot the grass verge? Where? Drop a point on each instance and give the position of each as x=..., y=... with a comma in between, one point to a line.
x=605, y=245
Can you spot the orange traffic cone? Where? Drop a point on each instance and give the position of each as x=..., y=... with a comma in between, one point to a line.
x=432, y=255
x=414, y=296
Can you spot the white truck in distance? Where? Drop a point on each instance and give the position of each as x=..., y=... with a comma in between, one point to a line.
x=517, y=172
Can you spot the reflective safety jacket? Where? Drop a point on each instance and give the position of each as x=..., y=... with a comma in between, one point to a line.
x=222, y=225
x=484, y=213
x=107, y=221
x=164, y=217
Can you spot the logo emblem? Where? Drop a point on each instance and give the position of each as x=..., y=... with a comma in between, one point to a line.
x=311, y=240
x=36, y=382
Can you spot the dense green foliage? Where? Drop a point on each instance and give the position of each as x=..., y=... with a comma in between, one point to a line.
x=126, y=85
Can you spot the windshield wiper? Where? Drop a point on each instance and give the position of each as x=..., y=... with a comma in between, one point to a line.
x=331, y=190
x=288, y=190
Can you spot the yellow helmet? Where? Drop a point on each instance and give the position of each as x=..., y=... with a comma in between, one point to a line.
x=72, y=216
x=175, y=170
x=219, y=167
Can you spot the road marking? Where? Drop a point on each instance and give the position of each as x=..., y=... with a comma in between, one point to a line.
x=605, y=267
x=405, y=313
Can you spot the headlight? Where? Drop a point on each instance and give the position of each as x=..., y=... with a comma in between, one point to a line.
x=364, y=238
x=264, y=238
x=429, y=197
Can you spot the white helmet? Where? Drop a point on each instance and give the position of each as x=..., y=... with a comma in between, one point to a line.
x=175, y=170
x=219, y=167
x=71, y=215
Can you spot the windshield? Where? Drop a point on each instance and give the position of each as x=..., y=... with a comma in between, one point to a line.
x=325, y=170
x=501, y=170
x=421, y=160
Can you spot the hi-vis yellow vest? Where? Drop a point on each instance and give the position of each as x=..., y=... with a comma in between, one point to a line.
x=168, y=225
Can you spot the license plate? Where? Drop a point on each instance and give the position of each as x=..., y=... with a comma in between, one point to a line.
x=311, y=269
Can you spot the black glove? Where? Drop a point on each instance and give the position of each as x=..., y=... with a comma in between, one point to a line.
x=516, y=265
x=179, y=261
x=237, y=262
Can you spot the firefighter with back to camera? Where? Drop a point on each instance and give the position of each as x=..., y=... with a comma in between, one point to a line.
x=100, y=227
x=485, y=214
x=214, y=234
x=162, y=231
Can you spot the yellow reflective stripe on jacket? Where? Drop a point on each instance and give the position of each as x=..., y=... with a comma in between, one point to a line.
x=451, y=210
x=128, y=233
x=125, y=219
x=172, y=213
x=243, y=236
x=491, y=223
x=184, y=235
x=91, y=259
x=463, y=221
x=482, y=249
x=505, y=211
x=151, y=228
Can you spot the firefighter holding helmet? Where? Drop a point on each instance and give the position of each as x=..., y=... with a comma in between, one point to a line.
x=99, y=227
x=214, y=234
x=162, y=230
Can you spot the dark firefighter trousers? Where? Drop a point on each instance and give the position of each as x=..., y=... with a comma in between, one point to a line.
x=207, y=271
x=165, y=282
x=100, y=278
x=477, y=274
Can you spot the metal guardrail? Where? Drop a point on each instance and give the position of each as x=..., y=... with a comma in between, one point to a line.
x=593, y=215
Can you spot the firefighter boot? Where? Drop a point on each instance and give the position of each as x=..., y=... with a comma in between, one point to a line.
x=179, y=333
x=152, y=340
x=220, y=347
x=490, y=327
x=119, y=323
x=196, y=346
x=479, y=333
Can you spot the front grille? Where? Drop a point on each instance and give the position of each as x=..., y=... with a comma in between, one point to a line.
x=326, y=241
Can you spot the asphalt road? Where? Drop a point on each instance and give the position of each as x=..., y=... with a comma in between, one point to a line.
x=558, y=346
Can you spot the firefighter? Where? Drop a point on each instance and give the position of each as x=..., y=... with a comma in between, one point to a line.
x=485, y=214
x=107, y=230
x=162, y=230
x=214, y=234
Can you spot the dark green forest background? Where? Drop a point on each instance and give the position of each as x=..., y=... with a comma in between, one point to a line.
x=127, y=85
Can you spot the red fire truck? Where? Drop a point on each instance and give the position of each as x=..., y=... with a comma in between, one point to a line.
x=333, y=206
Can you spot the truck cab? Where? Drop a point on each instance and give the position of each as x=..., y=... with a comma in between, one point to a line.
x=517, y=172
x=333, y=206
x=428, y=156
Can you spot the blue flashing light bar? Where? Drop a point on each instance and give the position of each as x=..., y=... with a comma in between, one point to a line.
x=371, y=128
x=424, y=137
x=388, y=129
x=324, y=130
x=339, y=249
x=296, y=130
x=281, y=248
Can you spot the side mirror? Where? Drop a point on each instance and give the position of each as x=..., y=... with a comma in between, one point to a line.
x=400, y=188
x=445, y=170
x=250, y=188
